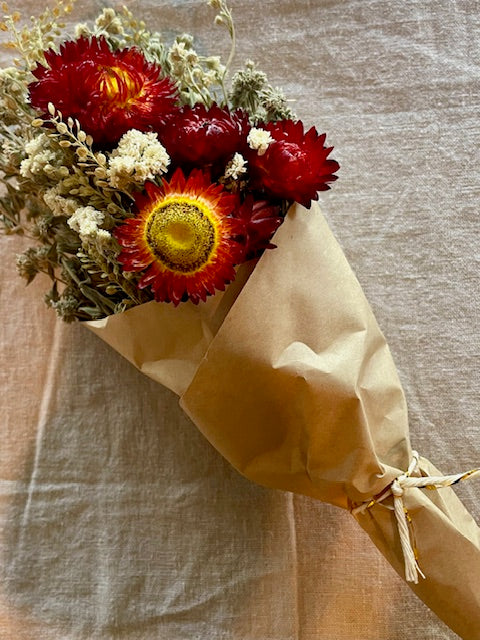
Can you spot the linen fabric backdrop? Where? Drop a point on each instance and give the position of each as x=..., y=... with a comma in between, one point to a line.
x=118, y=520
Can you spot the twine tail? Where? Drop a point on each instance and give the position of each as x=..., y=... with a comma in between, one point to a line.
x=397, y=490
x=412, y=568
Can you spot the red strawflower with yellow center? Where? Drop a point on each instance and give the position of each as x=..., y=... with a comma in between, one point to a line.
x=183, y=237
x=109, y=92
x=200, y=137
x=295, y=165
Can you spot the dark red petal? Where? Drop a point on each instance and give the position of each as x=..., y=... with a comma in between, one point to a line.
x=200, y=137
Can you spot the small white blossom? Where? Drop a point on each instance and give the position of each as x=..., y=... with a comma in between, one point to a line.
x=180, y=55
x=110, y=22
x=105, y=244
x=82, y=29
x=236, y=167
x=40, y=157
x=98, y=245
x=104, y=237
x=214, y=63
x=209, y=78
x=85, y=222
x=138, y=157
x=58, y=204
x=12, y=82
x=259, y=139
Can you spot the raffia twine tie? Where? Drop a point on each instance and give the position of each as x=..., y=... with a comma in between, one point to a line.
x=397, y=489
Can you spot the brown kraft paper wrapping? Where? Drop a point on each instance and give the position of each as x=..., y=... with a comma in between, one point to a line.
x=292, y=381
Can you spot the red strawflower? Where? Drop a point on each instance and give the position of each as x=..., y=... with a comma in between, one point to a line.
x=201, y=137
x=183, y=237
x=295, y=165
x=259, y=220
x=109, y=92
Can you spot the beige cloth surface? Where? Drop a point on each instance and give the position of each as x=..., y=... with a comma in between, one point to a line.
x=118, y=520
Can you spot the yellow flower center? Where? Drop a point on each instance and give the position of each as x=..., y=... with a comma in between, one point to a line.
x=119, y=85
x=182, y=233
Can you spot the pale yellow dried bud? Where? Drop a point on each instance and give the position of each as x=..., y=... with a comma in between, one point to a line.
x=62, y=128
x=82, y=153
x=10, y=103
x=38, y=122
x=111, y=289
x=81, y=29
x=70, y=182
x=100, y=173
x=107, y=15
x=65, y=144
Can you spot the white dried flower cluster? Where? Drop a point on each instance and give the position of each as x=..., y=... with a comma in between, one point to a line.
x=105, y=242
x=181, y=57
x=82, y=30
x=236, y=167
x=58, y=204
x=67, y=190
x=85, y=221
x=137, y=158
x=214, y=63
x=8, y=148
x=210, y=77
x=97, y=242
x=10, y=78
x=99, y=245
x=194, y=74
x=258, y=140
x=251, y=91
x=41, y=158
x=12, y=91
x=109, y=22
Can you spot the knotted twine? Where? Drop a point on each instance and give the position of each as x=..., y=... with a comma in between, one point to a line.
x=397, y=488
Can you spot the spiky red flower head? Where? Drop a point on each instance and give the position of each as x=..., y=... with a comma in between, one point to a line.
x=200, y=137
x=108, y=91
x=183, y=238
x=259, y=220
x=295, y=165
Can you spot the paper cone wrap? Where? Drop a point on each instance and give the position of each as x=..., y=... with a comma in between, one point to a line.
x=291, y=379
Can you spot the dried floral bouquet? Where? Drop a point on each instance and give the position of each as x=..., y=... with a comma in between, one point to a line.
x=147, y=180
x=136, y=171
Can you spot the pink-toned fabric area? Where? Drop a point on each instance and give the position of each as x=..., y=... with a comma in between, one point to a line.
x=118, y=520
